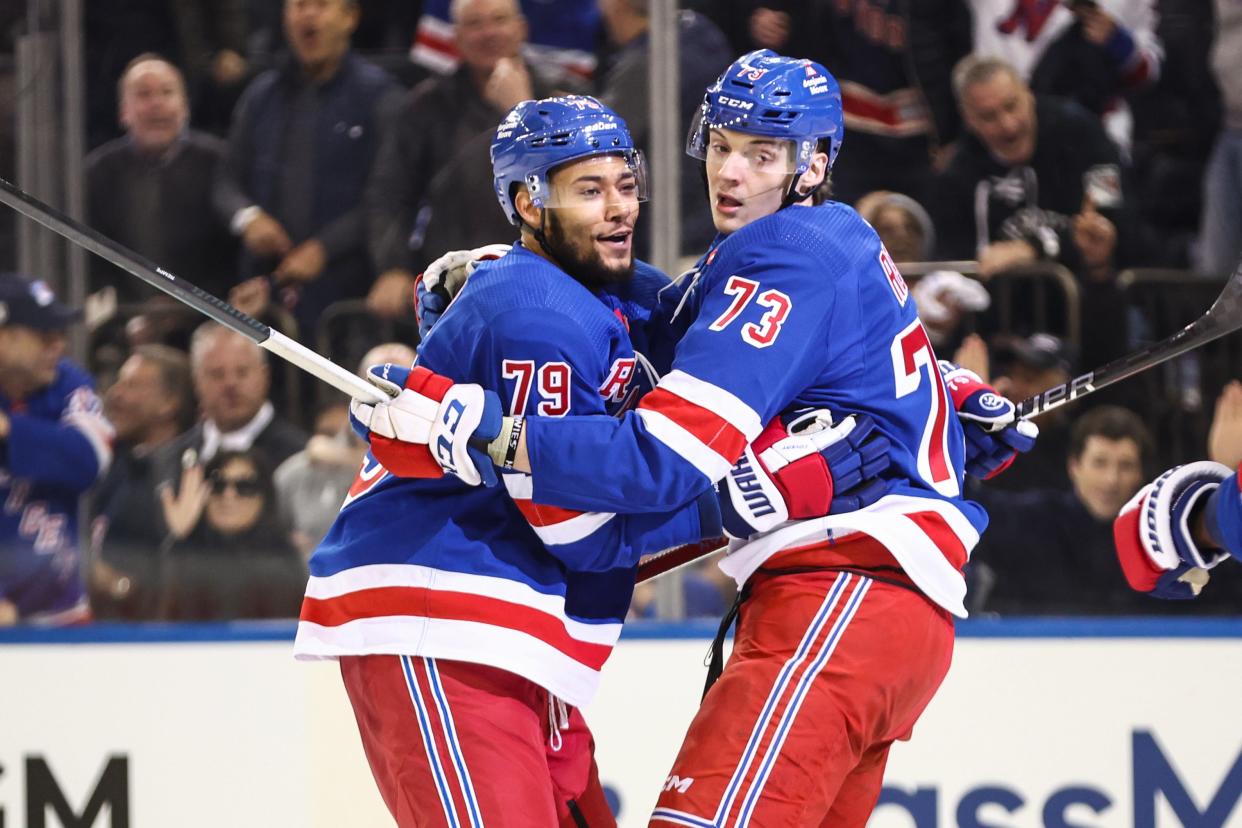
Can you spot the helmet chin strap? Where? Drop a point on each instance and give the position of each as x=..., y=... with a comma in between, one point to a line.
x=792, y=196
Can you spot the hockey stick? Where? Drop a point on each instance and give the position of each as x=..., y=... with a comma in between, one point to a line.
x=1224, y=317
x=200, y=300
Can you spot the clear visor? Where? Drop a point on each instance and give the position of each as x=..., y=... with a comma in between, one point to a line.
x=599, y=180
x=718, y=148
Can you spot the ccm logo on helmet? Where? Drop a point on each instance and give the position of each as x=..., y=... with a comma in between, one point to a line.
x=735, y=103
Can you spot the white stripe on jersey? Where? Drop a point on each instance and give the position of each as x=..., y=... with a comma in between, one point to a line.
x=715, y=399
x=474, y=642
x=710, y=464
x=570, y=530
x=376, y=576
x=887, y=521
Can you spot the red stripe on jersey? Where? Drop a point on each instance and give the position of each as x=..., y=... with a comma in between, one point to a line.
x=539, y=514
x=452, y=606
x=941, y=534
x=712, y=430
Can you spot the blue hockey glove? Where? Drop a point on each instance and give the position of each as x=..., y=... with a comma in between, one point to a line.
x=994, y=434
x=1154, y=536
x=804, y=467
x=438, y=285
x=431, y=426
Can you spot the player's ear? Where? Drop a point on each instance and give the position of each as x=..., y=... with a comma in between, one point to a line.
x=526, y=208
x=814, y=175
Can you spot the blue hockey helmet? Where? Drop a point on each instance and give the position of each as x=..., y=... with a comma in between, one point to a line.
x=763, y=93
x=537, y=136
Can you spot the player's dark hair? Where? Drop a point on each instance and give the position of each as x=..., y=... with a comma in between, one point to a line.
x=1111, y=422
x=823, y=192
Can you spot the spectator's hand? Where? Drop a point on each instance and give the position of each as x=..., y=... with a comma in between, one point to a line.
x=303, y=263
x=227, y=67
x=329, y=451
x=1097, y=25
x=265, y=236
x=183, y=510
x=508, y=85
x=392, y=294
x=1095, y=237
x=973, y=355
x=1003, y=255
x=4, y=426
x=8, y=613
x=769, y=28
x=252, y=296
x=1225, y=436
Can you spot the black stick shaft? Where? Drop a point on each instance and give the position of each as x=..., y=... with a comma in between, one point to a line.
x=1224, y=317
x=190, y=294
x=128, y=260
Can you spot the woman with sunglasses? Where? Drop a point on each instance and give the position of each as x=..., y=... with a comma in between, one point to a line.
x=229, y=554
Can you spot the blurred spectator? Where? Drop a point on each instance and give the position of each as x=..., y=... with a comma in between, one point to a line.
x=312, y=484
x=303, y=140
x=151, y=190
x=706, y=592
x=901, y=223
x=703, y=53
x=151, y=402
x=1225, y=436
x=1175, y=123
x=54, y=444
x=205, y=37
x=790, y=27
x=946, y=300
x=893, y=59
x=1051, y=550
x=1091, y=52
x=1220, y=242
x=231, y=381
x=443, y=172
x=1021, y=367
x=1036, y=179
x=228, y=552
x=562, y=38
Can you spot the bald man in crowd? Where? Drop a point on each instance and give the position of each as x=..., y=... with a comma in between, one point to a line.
x=151, y=189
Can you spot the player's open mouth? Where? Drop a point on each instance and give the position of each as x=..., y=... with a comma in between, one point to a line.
x=727, y=204
x=619, y=241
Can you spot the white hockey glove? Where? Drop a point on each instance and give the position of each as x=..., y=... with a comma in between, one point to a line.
x=804, y=469
x=1155, y=541
x=431, y=426
x=438, y=285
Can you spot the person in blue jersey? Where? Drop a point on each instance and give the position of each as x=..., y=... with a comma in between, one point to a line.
x=54, y=444
x=471, y=623
x=845, y=629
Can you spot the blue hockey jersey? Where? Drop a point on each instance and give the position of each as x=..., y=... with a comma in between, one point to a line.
x=59, y=444
x=440, y=569
x=801, y=308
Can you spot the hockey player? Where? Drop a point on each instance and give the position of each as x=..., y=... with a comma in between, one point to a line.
x=845, y=630
x=474, y=621
x=54, y=444
x=1178, y=527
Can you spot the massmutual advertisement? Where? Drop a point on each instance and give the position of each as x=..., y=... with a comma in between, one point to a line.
x=1056, y=723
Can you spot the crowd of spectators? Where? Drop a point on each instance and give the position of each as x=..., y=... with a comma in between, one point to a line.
x=307, y=158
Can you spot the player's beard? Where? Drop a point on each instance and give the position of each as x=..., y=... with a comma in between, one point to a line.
x=587, y=267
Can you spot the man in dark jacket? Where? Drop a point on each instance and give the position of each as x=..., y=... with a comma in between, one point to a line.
x=303, y=140
x=434, y=170
x=151, y=190
x=1035, y=179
